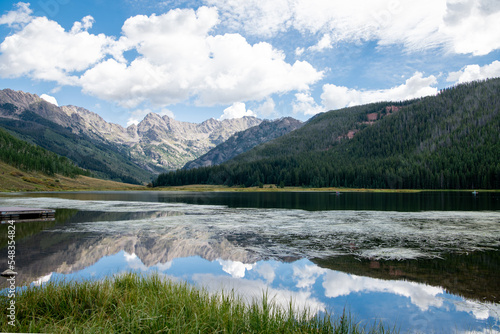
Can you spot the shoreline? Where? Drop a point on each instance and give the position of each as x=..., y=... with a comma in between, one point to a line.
x=13, y=180
x=215, y=188
x=81, y=184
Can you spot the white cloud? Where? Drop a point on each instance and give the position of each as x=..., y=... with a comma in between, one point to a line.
x=472, y=26
x=475, y=72
x=235, y=268
x=16, y=18
x=175, y=38
x=266, y=270
x=237, y=110
x=480, y=311
x=130, y=85
x=324, y=43
x=342, y=284
x=299, y=51
x=267, y=108
x=85, y=25
x=253, y=290
x=306, y=276
x=483, y=331
x=43, y=279
x=134, y=262
x=258, y=17
x=167, y=112
x=461, y=26
x=164, y=266
x=336, y=97
x=59, y=54
x=304, y=103
x=49, y=99
x=55, y=90
x=240, y=71
x=386, y=20
x=179, y=60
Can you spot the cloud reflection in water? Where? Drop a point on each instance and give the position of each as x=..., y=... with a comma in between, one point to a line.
x=310, y=287
x=256, y=250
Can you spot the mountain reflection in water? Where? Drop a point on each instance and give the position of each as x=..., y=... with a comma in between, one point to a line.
x=424, y=270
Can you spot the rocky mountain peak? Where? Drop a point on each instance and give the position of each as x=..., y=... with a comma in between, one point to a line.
x=149, y=121
x=19, y=98
x=209, y=124
x=156, y=143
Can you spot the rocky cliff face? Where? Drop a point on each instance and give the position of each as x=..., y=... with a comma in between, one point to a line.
x=79, y=120
x=156, y=144
x=91, y=123
x=20, y=99
x=245, y=140
x=169, y=143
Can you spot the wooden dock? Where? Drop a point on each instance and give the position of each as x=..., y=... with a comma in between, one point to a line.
x=21, y=214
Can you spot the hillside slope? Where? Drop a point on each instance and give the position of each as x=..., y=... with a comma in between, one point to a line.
x=448, y=141
x=243, y=141
x=28, y=157
x=103, y=160
x=14, y=179
x=27, y=167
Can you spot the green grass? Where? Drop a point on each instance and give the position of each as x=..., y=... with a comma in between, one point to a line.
x=13, y=179
x=132, y=303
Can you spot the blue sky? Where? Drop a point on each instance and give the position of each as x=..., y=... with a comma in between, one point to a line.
x=193, y=60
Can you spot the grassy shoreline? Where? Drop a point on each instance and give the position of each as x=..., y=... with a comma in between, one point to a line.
x=273, y=188
x=14, y=180
x=132, y=303
x=83, y=183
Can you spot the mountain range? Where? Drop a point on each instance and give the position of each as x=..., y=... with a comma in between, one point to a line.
x=447, y=141
x=133, y=154
x=245, y=140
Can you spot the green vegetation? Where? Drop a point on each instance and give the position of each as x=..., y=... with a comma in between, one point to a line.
x=448, y=141
x=28, y=167
x=28, y=157
x=132, y=303
x=272, y=188
x=103, y=160
x=13, y=179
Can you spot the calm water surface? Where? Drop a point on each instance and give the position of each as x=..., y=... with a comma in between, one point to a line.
x=427, y=262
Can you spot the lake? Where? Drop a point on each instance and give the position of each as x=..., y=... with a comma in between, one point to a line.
x=426, y=262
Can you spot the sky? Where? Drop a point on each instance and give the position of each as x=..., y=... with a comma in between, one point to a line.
x=195, y=60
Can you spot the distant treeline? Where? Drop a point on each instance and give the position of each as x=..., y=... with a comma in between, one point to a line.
x=448, y=141
x=29, y=157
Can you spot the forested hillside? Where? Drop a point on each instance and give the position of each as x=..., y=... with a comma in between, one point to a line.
x=103, y=160
x=448, y=141
x=28, y=157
